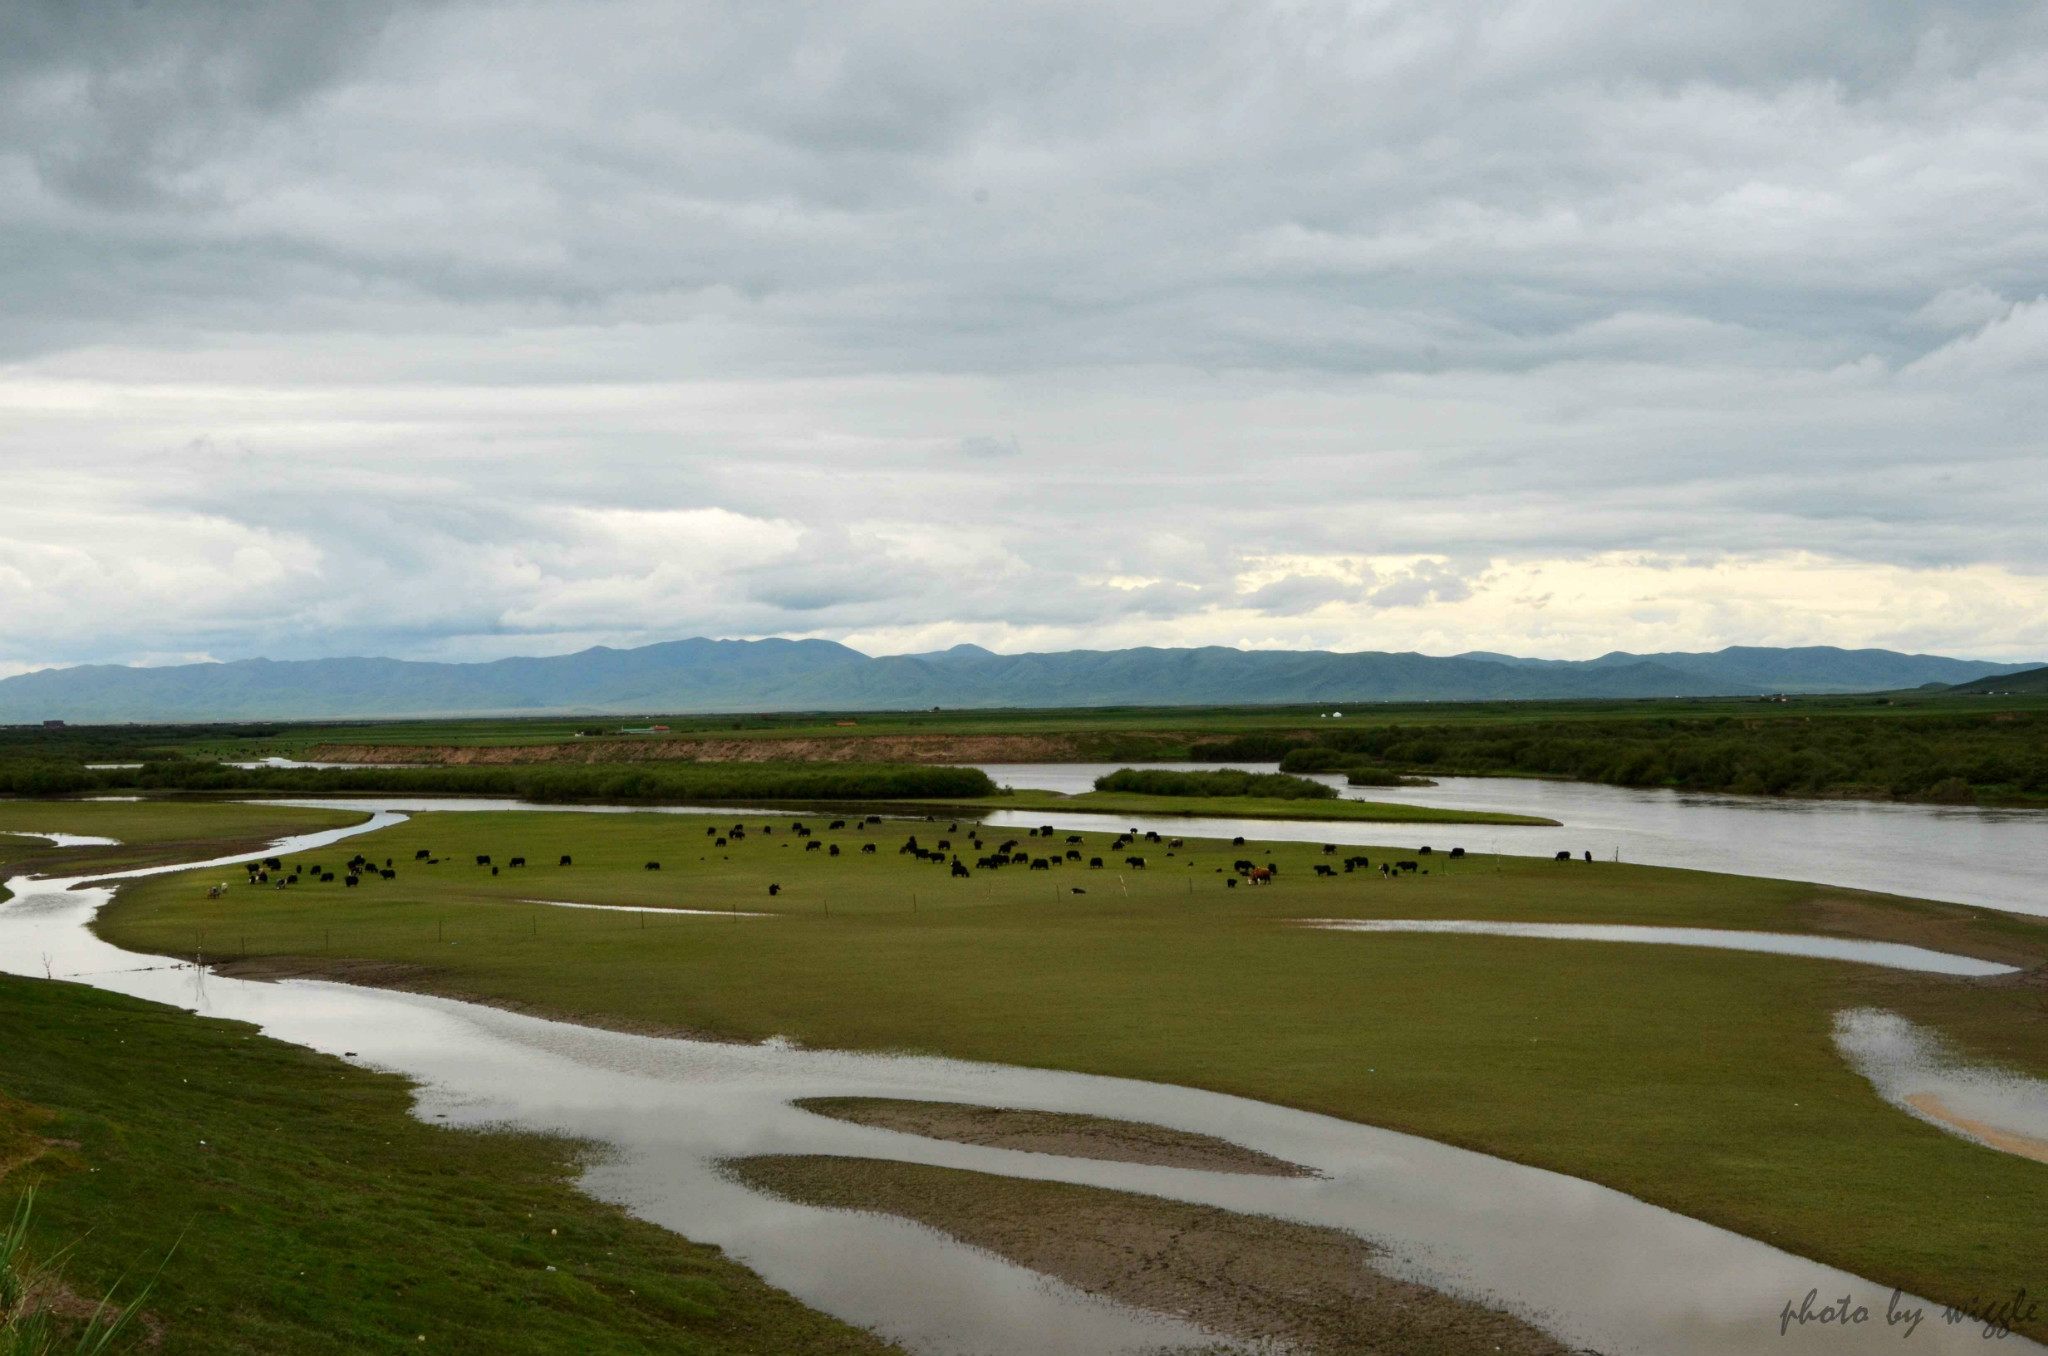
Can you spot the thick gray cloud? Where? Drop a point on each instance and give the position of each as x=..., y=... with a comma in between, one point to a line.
x=469, y=329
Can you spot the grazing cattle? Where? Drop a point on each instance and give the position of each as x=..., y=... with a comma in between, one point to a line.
x=1457, y=852
x=1422, y=851
x=836, y=824
x=351, y=880
x=1095, y=863
x=1175, y=843
x=1273, y=868
x=1073, y=838
x=1324, y=870
x=565, y=859
x=1151, y=837
x=1407, y=866
x=1040, y=864
x=1135, y=863
x=1077, y=889
x=874, y=819
x=1045, y=829
x=1258, y=875
x=812, y=846
x=1230, y=883
x=1564, y=856
x=483, y=859
x=1242, y=864
x=775, y=889
x=494, y=871
x=652, y=866
x=710, y=833
x=1589, y=856
x=959, y=867
x=517, y=861
x=719, y=843
x=945, y=845
x=867, y=847
x=327, y=877
x=420, y=856
x=1073, y=854
x=1237, y=842
x=388, y=874
x=833, y=851
x=1329, y=849
x=273, y=863
x=1007, y=846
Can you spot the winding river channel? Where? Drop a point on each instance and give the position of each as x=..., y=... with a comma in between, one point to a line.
x=1604, y=1271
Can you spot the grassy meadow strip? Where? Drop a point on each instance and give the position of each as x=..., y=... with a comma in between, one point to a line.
x=556, y=783
x=150, y=833
x=1244, y=807
x=312, y=1214
x=1703, y=1081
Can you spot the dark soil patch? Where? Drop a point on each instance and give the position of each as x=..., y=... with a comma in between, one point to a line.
x=1054, y=1132
x=1313, y=1289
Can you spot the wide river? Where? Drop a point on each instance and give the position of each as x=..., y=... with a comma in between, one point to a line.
x=1995, y=858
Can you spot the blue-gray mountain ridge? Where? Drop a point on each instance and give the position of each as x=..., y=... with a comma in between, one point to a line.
x=701, y=675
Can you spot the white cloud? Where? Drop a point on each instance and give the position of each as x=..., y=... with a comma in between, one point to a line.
x=454, y=331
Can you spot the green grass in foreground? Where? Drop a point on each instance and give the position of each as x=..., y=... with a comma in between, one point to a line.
x=1703, y=1081
x=1242, y=807
x=313, y=1214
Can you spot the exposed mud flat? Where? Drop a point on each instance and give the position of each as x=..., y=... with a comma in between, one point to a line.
x=1307, y=1287
x=1915, y=1070
x=1048, y=748
x=1067, y=1134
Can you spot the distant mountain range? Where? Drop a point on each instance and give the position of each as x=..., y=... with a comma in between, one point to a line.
x=817, y=675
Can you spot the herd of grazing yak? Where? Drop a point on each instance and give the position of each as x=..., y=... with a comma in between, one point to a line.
x=273, y=872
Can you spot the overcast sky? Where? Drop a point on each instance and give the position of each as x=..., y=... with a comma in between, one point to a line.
x=464, y=330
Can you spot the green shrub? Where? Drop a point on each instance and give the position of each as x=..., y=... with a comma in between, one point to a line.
x=1228, y=782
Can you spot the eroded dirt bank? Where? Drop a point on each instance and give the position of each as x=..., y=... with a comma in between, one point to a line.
x=1034, y=748
x=1054, y=1132
x=1310, y=1288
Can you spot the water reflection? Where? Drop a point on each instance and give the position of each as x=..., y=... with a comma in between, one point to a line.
x=1892, y=955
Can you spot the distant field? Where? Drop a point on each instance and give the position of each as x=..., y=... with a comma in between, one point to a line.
x=1703, y=1081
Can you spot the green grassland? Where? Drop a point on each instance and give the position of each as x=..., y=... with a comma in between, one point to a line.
x=313, y=1214
x=151, y=833
x=1703, y=1081
x=1190, y=723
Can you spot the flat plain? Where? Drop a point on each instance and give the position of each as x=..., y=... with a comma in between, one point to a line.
x=1701, y=1080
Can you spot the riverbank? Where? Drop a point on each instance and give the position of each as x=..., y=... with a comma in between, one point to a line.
x=312, y=1213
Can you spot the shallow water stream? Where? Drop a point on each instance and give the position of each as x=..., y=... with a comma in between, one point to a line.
x=1602, y=1270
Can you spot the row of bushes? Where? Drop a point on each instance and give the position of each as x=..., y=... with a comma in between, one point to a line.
x=1229, y=782
x=1952, y=759
x=695, y=782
